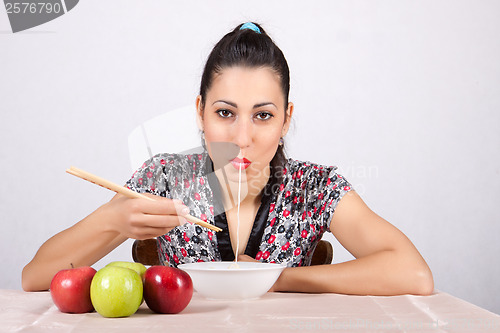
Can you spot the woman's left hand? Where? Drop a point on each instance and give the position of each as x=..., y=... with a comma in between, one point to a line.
x=247, y=258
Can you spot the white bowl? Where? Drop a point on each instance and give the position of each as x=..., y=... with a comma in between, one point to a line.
x=216, y=280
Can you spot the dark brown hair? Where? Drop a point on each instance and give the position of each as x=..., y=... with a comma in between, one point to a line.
x=251, y=49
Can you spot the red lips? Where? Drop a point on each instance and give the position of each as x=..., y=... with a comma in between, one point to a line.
x=242, y=163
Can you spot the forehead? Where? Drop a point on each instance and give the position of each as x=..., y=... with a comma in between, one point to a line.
x=246, y=83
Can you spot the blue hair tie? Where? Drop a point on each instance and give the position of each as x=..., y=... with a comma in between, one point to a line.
x=251, y=26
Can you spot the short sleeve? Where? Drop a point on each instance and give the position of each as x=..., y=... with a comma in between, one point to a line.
x=336, y=186
x=151, y=177
x=303, y=209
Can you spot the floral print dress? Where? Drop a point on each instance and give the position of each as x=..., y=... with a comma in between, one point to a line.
x=296, y=209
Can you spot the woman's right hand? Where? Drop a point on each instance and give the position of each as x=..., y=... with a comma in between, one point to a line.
x=95, y=236
x=141, y=218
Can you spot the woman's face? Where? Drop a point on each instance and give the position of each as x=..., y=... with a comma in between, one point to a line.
x=244, y=112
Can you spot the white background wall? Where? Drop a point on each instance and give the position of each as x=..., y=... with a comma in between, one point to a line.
x=403, y=96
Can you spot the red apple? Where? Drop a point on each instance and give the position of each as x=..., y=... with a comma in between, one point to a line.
x=70, y=289
x=167, y=289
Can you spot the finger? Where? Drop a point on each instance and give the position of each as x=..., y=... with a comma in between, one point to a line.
x=149, y=233
x=181, y=208
x=246, y=258
x=156, y=225
x=163, y=206
x=157, y=221
x=143, y=231
x=184, y=221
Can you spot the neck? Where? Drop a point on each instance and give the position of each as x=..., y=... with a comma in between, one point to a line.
x=250, y=191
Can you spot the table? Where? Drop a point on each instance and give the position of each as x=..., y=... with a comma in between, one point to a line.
x=274, y=312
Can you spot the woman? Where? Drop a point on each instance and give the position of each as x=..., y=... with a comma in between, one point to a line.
x=270, y=208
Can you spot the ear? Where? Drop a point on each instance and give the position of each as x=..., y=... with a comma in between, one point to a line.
x=199, y=113
x=288, y=120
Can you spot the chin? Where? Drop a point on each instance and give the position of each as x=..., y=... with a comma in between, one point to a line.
x=233, y=175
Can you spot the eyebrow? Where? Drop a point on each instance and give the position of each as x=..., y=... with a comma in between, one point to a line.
x=234, y=105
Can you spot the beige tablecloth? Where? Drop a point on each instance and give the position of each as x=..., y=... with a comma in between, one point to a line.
x=275, y=312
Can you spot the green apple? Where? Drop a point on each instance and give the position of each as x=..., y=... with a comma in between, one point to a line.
x=116, y=291
x=136, y=266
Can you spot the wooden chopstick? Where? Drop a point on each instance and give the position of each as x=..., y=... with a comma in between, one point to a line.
x=129, y=193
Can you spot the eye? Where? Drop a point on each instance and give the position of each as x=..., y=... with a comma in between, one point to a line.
x=223, y=113
x=264, y=116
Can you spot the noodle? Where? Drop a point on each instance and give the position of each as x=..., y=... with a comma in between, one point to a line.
x=238, y=215
x=235, y=264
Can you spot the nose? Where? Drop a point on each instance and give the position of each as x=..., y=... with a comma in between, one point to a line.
x=243, y=133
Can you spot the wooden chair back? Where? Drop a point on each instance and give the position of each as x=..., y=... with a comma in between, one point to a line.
x=145, y=252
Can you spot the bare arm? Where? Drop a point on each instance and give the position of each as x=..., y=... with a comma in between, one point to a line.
x=386, y=263
x=92, y=238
